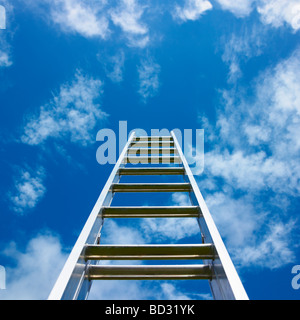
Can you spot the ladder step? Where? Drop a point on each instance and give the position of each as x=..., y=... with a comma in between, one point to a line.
x=149, y=252
x=149, y=272
x=150, y=151
x=151, y=212
x=151, y=187
x=153, y=144
x=153, y=138
x=151, y=171
x=152, y=159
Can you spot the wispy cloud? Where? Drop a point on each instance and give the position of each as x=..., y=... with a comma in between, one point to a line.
x=113, y=233
x=5, y=59
x=241, y=46
x=115, y=66
x=191, y=10
x=273, y=250
x=160, y=230
x=171, y=293
x=275, y=13
x=266, y=144
x=28, y=190
x=259, y=157
x=36, y=268
x=240, y=8
x=128, y=17
x=74, y=16
x=280, y=12
x=6, y=34
x=141, y=290
x=255, y=235
x=173, y=229
x=78, y=16
x=148, y=78
x=72, y=114
x=94, y=19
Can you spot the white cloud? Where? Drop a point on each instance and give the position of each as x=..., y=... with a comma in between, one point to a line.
x=115, y=67
x=181, y=199
x=6, y=34
x=139, y=290
x=78, y=16
x=273, y=251
x=192, y=10
x=248, y=171
x=171, y=293
x=28, y=190
x=128, y=16
x=92, y=18
x=272, y=12
x=240, y=47
x=36, y=269
x=5, y=59
x=113, y=233
x=266, y=144
x=72, y=114
x=119, y=290
x=74, y=16
x=161, y=230
x=240, y=8
x=171, y=229
x=259, y=159
x=254, y=237
x=279, y=12
x=149, y=78
x=234, y=217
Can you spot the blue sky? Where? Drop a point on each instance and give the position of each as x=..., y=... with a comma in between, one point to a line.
x=69, y=68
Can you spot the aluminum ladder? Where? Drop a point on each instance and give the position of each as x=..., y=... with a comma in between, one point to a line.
x=81, y=268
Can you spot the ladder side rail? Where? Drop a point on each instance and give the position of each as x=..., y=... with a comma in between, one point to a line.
x=72, y=283
x=226, y=283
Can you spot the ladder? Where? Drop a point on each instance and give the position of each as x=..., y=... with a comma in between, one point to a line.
x=82, y=266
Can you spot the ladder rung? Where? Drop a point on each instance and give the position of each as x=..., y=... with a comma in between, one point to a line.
x=154, y=138
x=151, y=212
x=154, y=151
x=149, y=252
x=153, y=144
x=152, y=159
x=151, y=187
x=151, y=171
x=149, y=272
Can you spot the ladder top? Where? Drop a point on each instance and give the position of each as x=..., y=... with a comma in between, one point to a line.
x=153, y=138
